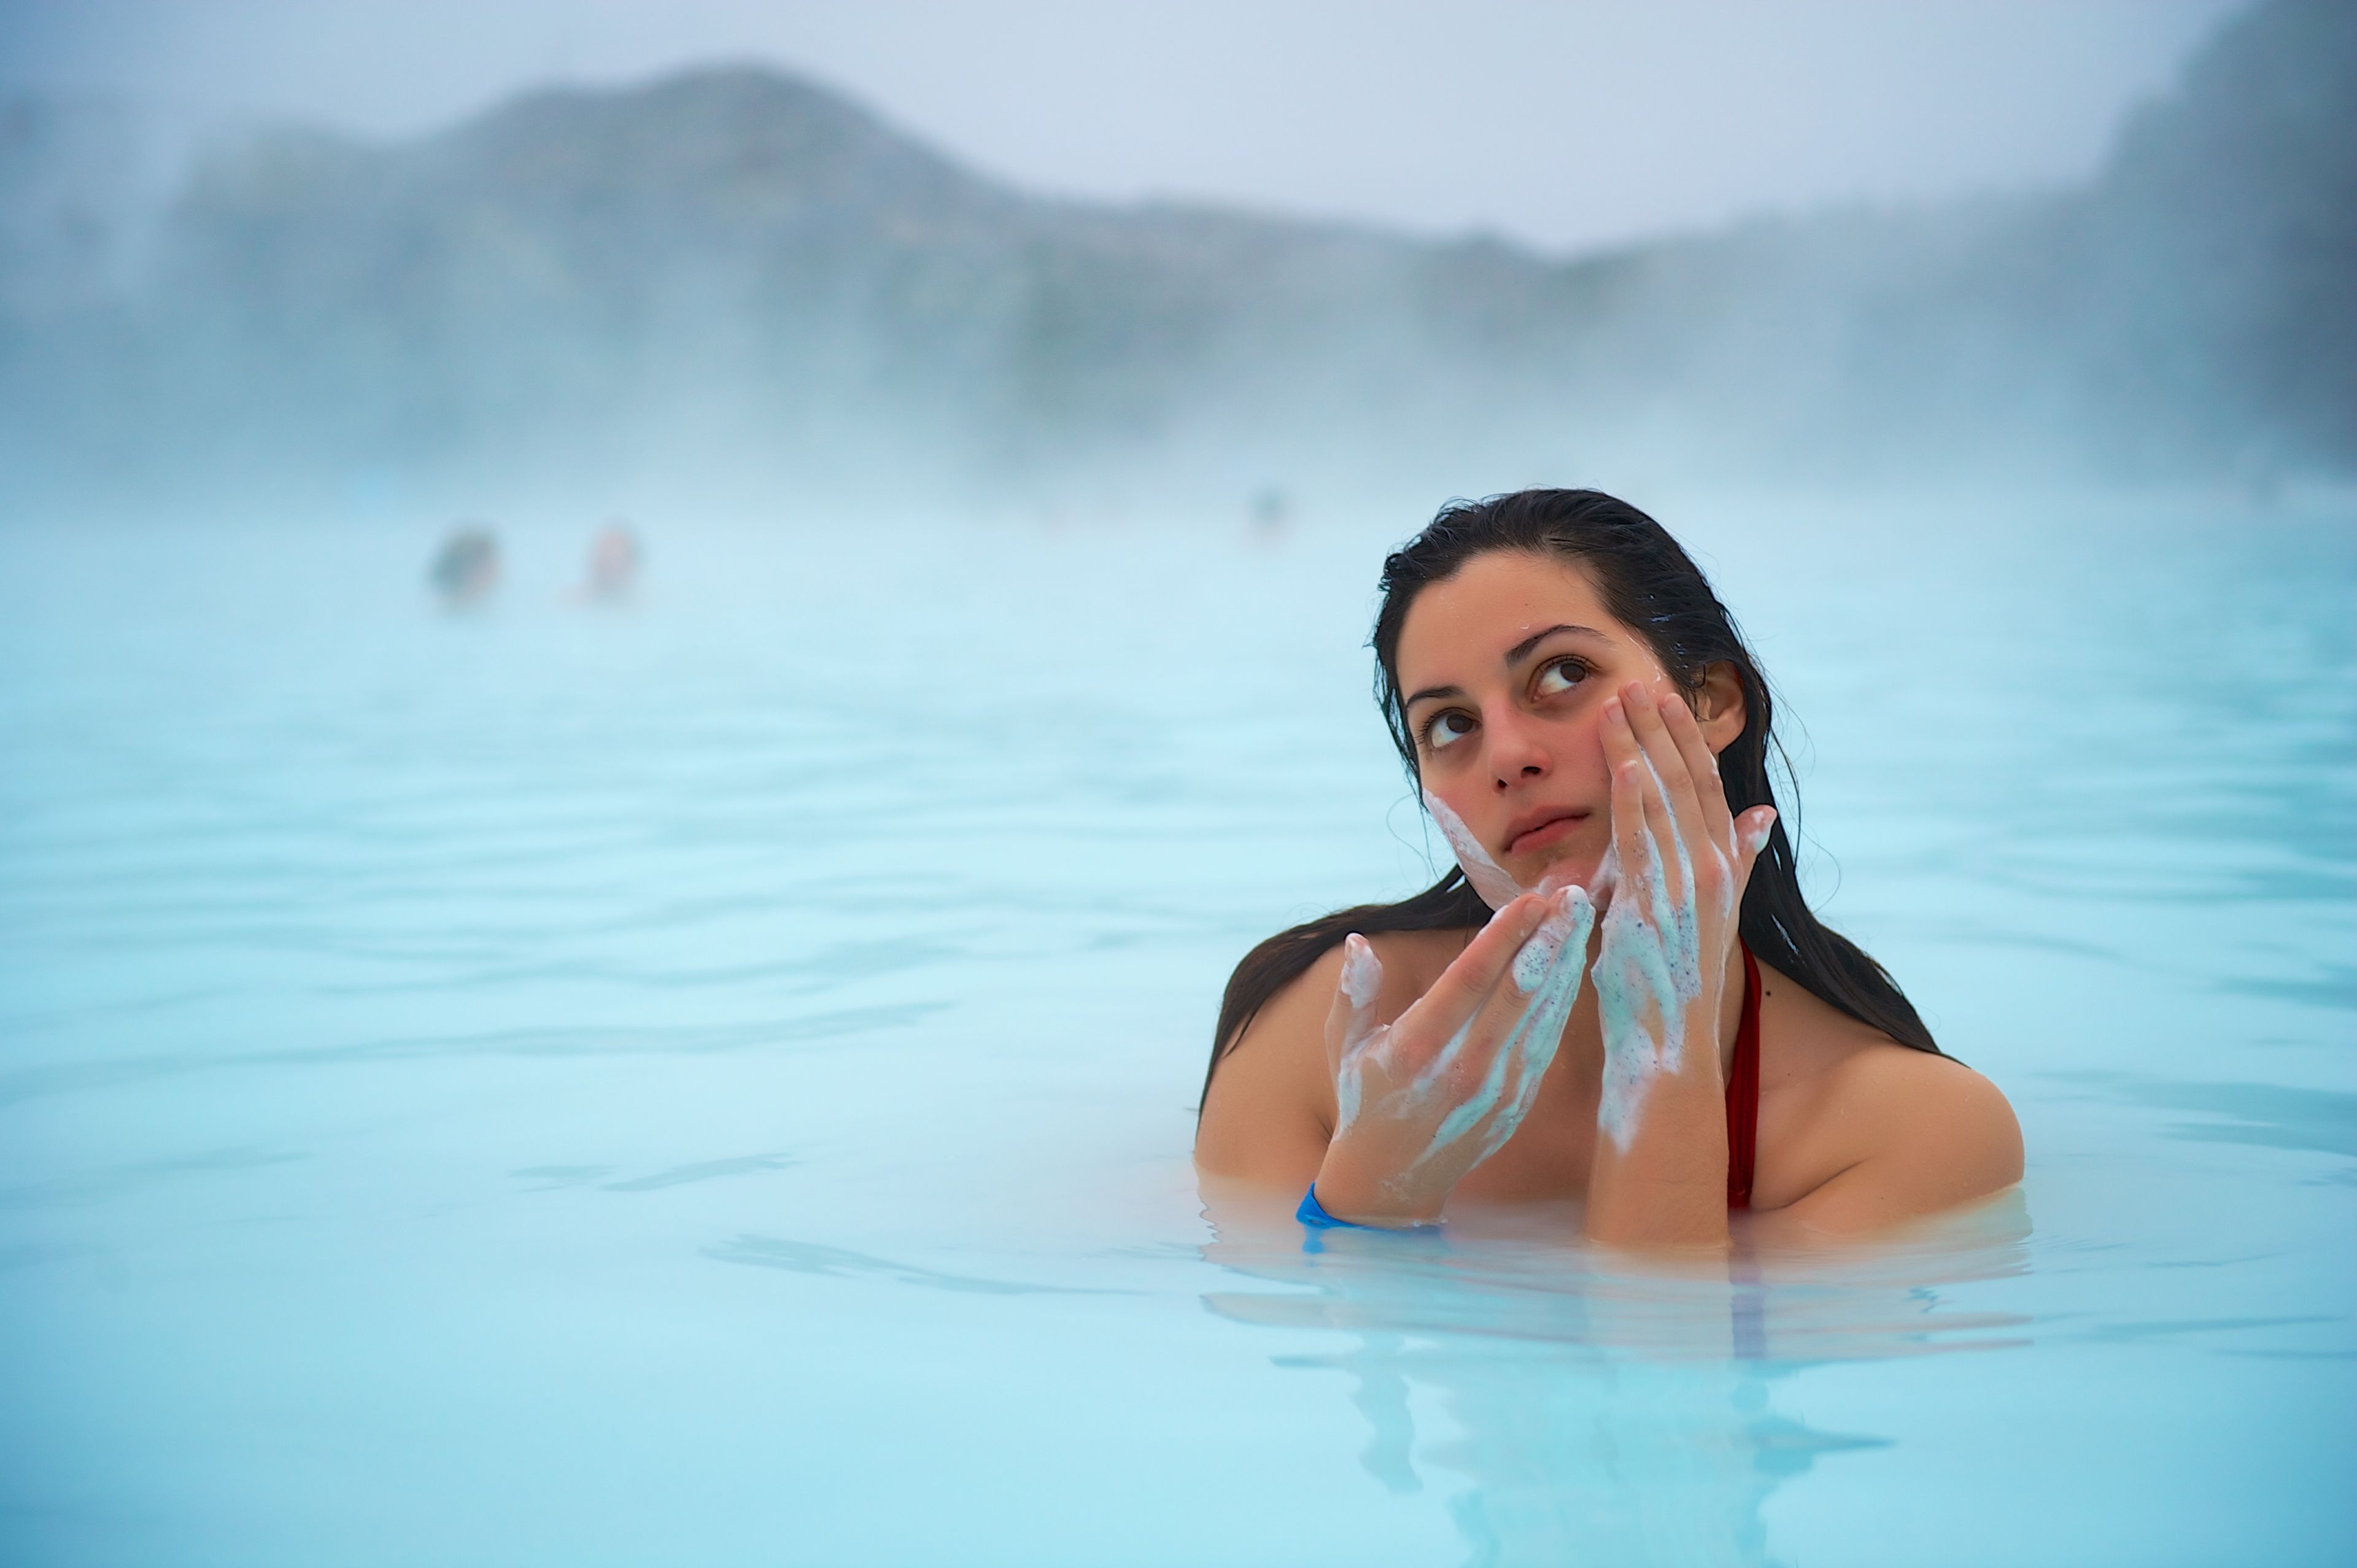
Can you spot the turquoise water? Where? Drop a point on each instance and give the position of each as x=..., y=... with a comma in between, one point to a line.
x=710, y=1082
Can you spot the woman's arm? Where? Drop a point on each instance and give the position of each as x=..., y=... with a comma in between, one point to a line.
x=1422, y=1101
x=1658, y=1176
x=1415, y=1103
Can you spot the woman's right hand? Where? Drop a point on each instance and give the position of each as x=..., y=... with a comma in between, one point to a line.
x=1422, y=1099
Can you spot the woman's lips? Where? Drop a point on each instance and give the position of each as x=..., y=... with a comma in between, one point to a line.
x=1552, y=831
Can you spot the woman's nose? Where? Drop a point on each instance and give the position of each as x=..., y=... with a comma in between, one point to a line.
x=1515, y=755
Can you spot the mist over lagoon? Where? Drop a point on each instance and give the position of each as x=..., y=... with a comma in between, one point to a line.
x=736, y=287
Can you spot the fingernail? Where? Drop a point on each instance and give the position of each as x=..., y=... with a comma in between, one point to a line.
x=1613, y=714
x=1636, y=693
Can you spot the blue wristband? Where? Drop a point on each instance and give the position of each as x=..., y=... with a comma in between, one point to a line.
x=1313, y=1214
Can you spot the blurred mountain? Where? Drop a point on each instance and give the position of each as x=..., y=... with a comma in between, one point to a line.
x=736, y=279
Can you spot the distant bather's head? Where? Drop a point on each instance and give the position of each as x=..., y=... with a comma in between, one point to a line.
x=466, y=567
x=613, y=563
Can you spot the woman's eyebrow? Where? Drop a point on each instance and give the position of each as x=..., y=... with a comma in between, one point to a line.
x=1516, y=654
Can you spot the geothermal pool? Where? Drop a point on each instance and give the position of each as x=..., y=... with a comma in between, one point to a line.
x=710, y=1080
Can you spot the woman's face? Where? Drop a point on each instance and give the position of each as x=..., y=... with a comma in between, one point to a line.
x=1506, y=666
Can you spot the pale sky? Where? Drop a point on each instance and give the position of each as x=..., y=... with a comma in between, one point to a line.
x=1562, y=125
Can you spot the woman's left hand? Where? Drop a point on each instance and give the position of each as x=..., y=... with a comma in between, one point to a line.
x=1668, y=940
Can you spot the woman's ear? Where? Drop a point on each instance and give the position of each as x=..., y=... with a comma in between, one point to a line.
x=1718, y=707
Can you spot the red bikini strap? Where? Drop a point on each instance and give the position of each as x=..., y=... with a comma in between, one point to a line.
x=1743, y=1090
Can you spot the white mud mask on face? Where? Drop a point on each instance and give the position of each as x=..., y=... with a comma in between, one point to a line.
x=1496, y=886
x=1489, y=878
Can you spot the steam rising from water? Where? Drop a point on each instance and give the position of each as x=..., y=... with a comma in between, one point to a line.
x=736, y=289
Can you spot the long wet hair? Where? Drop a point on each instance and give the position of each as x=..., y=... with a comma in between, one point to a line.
x=1653, y=588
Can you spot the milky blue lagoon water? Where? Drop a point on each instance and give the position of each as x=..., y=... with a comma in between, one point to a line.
x=710, y=1082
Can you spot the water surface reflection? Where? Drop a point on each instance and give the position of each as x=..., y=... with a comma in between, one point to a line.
x=1598, y=1408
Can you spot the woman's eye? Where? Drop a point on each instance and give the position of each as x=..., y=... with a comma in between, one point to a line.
x=1561, y=676
x=1443, y=728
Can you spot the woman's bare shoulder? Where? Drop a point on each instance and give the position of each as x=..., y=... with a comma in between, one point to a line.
x=1868, y=1125
x=1273, y=1089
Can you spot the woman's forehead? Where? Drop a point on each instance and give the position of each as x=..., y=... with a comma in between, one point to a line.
x=1491, y=604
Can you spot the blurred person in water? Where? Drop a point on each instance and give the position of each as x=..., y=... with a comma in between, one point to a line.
x=1619, y=995
x=466, y=568
x=614, y=562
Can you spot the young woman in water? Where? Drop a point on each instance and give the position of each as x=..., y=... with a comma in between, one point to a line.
x=1590, y=731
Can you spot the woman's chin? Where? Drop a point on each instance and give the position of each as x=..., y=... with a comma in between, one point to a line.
x=1576, y=868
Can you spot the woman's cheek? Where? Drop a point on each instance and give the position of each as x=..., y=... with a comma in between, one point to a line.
x=1583, y=759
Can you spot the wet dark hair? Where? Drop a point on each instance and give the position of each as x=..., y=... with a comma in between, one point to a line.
x=1653, y=588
